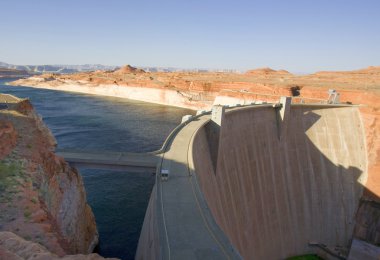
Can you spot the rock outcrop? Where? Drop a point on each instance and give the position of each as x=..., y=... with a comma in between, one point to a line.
x=8, y=138
x=267, y=71
x=13, y=247
x=128, y=69
x=42, y=198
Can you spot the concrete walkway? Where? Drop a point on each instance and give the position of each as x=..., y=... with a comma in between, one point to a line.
x=131, y=162
x=190, y=231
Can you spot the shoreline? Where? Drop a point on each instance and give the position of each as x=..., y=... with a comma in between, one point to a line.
x=193, y=100
x=165, y=97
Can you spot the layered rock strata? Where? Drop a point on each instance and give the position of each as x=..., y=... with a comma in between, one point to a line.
x=42, y=198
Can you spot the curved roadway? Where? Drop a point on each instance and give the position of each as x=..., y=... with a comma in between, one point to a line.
x=188, y=227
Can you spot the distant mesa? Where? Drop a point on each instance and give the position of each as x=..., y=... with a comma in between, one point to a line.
x=368, y=70
x=128, y=69
x=60, y=69
x=267, y=71
x=7, y=72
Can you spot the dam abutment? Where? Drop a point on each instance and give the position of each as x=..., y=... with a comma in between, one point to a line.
x=214, y=130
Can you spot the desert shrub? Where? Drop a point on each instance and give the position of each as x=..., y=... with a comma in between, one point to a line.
x=7, y=173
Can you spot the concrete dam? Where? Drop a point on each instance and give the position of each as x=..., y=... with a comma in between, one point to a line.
x=265, y=181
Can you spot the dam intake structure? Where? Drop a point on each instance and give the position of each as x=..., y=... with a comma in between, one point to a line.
x=241, y=181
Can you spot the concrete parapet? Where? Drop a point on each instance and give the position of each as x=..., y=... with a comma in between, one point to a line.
x=186, y=118
x=214, y=129
x=201, y=112
x=285, y=107
x=217, y=114
x=283, y=116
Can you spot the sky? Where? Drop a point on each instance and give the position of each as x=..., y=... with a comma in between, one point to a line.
x=299, y=35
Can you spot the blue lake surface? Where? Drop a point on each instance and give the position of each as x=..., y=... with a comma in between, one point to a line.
x=97, y=123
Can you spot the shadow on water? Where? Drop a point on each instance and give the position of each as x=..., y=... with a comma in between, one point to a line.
x=119, y=201
x=87, y=122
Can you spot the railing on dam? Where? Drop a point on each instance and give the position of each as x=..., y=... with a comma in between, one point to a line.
x=256, y=96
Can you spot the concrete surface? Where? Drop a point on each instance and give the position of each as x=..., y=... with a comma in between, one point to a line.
x=272, y=194
x=132, y=162
x=278, y=184
x=178, y=212
x=361, y=250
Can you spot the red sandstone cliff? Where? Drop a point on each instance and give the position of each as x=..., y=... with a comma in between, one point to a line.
x=42, y=198
x=13, y=247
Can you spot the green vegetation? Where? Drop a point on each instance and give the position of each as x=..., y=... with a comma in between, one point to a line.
x=27, y=214
x=11, y=178
x=8, y=172
x=305, y=257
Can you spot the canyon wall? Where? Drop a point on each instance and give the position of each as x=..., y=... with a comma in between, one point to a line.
x=42, y=198
x=278, y=183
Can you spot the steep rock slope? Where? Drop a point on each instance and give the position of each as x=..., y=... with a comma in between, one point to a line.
x=41, y=197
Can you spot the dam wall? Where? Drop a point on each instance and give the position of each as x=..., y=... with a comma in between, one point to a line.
x=280, y=182
x=149, y=242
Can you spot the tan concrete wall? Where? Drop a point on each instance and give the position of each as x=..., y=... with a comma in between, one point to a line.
x=272, y=195
x=149, y=244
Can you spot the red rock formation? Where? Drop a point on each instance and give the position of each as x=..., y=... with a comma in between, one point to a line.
x=8, y=138
x=13, y=247
x=128, y=69
x=44, y=198
x=266, y=71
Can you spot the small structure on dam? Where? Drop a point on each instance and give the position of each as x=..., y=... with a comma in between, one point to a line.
x=267, y=181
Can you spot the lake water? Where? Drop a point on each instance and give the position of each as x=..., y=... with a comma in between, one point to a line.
x=93, y=123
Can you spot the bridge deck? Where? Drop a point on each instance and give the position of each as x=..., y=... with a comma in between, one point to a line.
x=133, y=162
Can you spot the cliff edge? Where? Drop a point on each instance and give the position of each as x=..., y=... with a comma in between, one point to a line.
x=42, y=198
